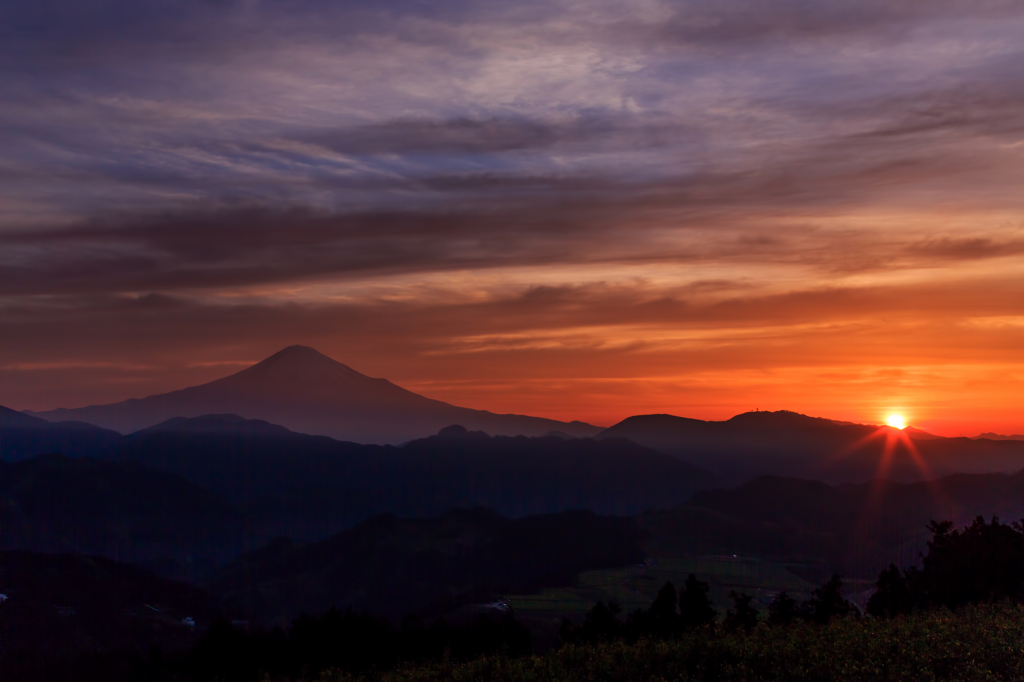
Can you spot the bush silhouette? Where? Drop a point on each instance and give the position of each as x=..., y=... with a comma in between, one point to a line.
x=984, y=562
x=897, y=593
x=742, y=616
x=601, y=624
x=827, y=602
x=695, y=609
x=783, y=611
x=662, y=619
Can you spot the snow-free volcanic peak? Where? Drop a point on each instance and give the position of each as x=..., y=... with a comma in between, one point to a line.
x=309, y=392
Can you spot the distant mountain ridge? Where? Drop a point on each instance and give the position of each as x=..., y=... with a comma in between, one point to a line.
x=303, y=390
x=217, y=423
x=307, y=486
x=785, y=443
x=19, y=420
x=190, y=494
x=22, y=436
x=998, y=436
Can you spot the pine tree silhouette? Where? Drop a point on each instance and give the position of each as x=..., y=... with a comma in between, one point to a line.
x=662, y=619
x=695, y=609
x=783, y=611
x=742, y=616
x=827, y=602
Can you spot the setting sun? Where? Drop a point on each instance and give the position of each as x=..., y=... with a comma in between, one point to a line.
x=896, y=421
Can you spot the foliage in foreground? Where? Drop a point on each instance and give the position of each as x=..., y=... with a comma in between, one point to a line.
x=976, y=643
x=983, y=562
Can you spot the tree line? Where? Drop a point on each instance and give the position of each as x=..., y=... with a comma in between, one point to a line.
x=981, y=563
x=691, y=609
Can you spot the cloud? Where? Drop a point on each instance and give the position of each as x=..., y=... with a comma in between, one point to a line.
x=506, y=134
x=132, y=346
x=578, y=186
x=705, y=22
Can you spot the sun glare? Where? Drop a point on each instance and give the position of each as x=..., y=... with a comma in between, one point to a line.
x=896, y=421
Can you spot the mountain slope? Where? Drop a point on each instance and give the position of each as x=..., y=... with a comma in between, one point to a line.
x=308, y=487
x=399, y=566
x=790, y=444
x=855, y=529
x=66, y=604
x=305, y=391
x=52, y=503
x=23, y=436
x=12, y=419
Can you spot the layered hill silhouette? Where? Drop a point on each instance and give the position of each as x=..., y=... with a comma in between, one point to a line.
x=309, y=487
x=22, y=436
x=998, y=436
x=852, y=529
x=399, y=566
x=52, y=503
x=306, y=391
x=789, y=444
x=189, y=494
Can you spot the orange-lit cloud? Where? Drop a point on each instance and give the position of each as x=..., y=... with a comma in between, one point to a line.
x=697, y=208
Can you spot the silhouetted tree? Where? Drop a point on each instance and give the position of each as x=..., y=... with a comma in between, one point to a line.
x=783, y=611
x=662, y=619
x=827, y=602
x=897, y=593
x=742, y=616
x=695, y=609
x=983, y=562
x=601, y=624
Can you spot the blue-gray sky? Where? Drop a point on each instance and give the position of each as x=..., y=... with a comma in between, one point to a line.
x=577, y=209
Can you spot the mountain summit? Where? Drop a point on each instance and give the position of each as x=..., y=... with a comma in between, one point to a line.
x=306, y=391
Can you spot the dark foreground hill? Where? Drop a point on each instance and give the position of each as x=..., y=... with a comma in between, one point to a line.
x=58, y=606
x=790, y=444
x=400, y=566
x=309, y=487
x=309, y=392
x=852, y=529
x=55, y=504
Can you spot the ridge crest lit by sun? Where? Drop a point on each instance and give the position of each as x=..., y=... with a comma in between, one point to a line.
x=896, y=421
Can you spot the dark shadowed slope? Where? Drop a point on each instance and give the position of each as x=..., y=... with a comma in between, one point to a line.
x=60, y=605
x=19, y=420
x=790, y=444
x=55, y=504
x=308, y=392
x=23, y=436
x=309, y=487
x=400, y=566
x=854, y=529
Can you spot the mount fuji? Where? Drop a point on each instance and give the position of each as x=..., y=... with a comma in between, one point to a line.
x=306, y=391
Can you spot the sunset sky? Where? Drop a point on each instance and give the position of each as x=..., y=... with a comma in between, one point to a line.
x=580, y=210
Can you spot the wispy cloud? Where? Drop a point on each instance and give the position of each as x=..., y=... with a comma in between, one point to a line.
x=576, y=185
